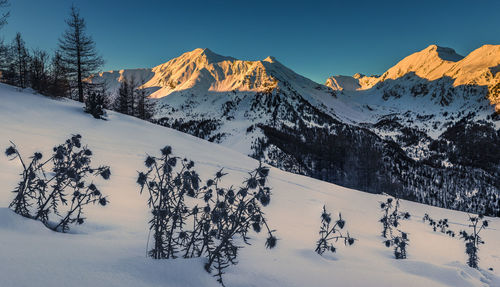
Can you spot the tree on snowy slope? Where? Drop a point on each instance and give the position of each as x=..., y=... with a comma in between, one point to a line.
x=58, y=84
x=133, y=100
x=39, y=74
x=7, y=73
x=3, y=49
x=78, y=51
x=144, y=106
x=19, y=68
x=95, y=102
x=20, y=61
x=122, y=102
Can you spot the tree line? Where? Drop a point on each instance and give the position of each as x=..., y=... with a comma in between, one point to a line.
x=66, y=72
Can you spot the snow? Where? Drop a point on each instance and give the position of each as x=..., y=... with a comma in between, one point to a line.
x=205, y=73
x=339, y=83
x=413, y=90
x=109, y=250
x=112, y=79
x=432, y=63
x=198, y=83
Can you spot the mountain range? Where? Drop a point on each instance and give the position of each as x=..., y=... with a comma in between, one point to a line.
x=428, y=129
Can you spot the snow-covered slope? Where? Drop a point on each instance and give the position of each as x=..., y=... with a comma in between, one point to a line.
x=109, y=250
x=427, y=91
x=431, y=63
x=432, y=68
x=435, y=62
x=340, y=83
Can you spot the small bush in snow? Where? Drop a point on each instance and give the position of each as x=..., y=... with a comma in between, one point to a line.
x=94, y=104
x=473, y=240
x=399, y=242
x=391, y=216
x=167, y=188
x=441, y=225
x=391, y=223
x=55, y=190
x=330, y=232
x=209, y=228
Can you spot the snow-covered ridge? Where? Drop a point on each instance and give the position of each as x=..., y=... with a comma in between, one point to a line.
x=202, y=70
x=438, y=75
x=480, y=67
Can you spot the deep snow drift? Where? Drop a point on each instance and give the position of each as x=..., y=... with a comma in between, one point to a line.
x=109, y=250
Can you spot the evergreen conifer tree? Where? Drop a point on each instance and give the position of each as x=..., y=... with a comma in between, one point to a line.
x=123, y=99
x=145, y=107
x=95, y=103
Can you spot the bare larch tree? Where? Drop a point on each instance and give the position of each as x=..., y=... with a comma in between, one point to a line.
x=78, y=51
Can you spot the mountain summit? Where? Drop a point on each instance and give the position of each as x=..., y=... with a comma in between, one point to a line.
x=480, y=67
x=202, y=70
x=436, y=73
x=431, y=63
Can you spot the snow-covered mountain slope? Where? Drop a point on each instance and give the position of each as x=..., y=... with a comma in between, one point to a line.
x=201, y=85
x=109, y=250
x=402, y=136
x=427, y=93
x=202, y=70
x=340, y=83
x=437, y=72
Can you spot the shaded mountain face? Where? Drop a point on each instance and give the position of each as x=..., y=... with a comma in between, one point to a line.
x=409, y=132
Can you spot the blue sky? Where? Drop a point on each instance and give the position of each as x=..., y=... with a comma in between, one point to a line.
x=315, y=38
